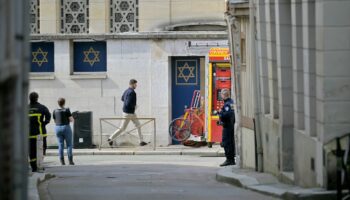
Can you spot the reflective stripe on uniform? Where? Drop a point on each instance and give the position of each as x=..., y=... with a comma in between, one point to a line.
x=33, y=137
x=32, y=160
x=40, y=124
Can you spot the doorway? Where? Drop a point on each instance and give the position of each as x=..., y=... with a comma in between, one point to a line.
x=187, y=75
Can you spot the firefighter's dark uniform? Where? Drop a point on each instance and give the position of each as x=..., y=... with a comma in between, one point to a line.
x=227, y=118
x=39, y=116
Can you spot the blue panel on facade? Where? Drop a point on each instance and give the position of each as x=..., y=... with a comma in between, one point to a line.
x=42, y=57
x=90, y=57
x=185, y=80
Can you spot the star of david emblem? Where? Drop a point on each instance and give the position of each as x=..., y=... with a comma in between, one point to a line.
x=39, y=57
x=182, y=74
x=95, y=59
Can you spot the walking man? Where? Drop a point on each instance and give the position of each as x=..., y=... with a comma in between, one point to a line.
x=39, y=117
x=227, y=120
x=129, y=107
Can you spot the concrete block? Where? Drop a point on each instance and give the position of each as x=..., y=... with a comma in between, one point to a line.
x=48, y=11
x=48, y=27
x=147, y=8
x=297, y=54
x=333, y=38
x=309, y=84
x=97, y=10
x=337, y=89
x=330, y=131
x=283, y=35
x=62, y=58
x=298, y=81
x=97, y=26
x=305, y=148
x=334, y=13
x=283, y=13
x=285, y=76
x=270, y=130
x=136, y=49
x=337, y=112
x=333, y=63
x=248, y=148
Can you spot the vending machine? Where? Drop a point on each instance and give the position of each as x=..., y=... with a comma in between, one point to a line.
x=219, y=79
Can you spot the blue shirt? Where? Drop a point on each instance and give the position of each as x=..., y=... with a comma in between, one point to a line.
x=227, y=114
x=129, y=99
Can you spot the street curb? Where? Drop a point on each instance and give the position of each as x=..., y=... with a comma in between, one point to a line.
x=152, y=153
x=33, y=183
x=287, y=192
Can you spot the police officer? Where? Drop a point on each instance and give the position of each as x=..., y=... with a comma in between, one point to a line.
x=39, y=117
x=227, y=120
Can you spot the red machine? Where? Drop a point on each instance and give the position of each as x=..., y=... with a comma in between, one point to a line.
x=219, y=79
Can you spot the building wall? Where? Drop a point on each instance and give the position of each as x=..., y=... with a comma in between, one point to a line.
x=309, y=40
x=146, y=60
x=154, y=15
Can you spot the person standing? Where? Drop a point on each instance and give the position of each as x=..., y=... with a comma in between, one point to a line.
x=227, y=120
x=62, y=117
x=129, y=107
x=39, y=117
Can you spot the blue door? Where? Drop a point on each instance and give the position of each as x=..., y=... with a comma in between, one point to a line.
x=185, y=79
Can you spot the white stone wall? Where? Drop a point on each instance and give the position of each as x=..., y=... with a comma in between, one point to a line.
x=146, y=60
x=308, y=56
x=154, y=15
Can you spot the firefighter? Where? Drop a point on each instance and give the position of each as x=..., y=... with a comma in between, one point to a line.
x=39, y=117
x=227, y=120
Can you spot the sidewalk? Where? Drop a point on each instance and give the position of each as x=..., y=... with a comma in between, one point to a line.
x=269, y=185
x=34, y=179
x=215, y=151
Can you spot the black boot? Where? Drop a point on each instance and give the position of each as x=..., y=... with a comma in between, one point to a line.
x=70, y=158
x=34, y=166
x=62, y=161
x=227, y=163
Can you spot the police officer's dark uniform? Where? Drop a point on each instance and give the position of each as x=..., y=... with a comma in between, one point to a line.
x=227, y=120
x=39, y=117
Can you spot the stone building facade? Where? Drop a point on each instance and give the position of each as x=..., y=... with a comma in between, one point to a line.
x=303, y=99
x=86, y=51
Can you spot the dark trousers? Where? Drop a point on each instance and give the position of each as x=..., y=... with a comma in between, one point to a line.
x=44, y=145
x=229, y=143
x=33, y=154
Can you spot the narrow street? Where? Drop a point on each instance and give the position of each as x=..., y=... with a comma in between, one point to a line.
x=141, y=178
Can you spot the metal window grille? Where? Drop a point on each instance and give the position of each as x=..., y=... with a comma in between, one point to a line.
x=74, y=16
x=124, y=16
x=34, y=16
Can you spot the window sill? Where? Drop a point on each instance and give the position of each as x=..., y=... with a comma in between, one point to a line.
x=41, y=76
x=88, y=76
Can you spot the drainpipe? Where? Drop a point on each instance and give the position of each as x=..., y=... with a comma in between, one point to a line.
x=256, y=87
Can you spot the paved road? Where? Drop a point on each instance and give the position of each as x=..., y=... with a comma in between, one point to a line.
x=140, y=178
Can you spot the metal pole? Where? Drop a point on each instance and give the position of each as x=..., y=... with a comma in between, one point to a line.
x=100, y=134
x=154, y=135
x=339, y=156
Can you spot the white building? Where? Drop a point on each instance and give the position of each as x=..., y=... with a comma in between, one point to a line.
x=138, y=39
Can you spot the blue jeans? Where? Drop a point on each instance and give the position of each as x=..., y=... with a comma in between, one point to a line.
x=64, y=133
